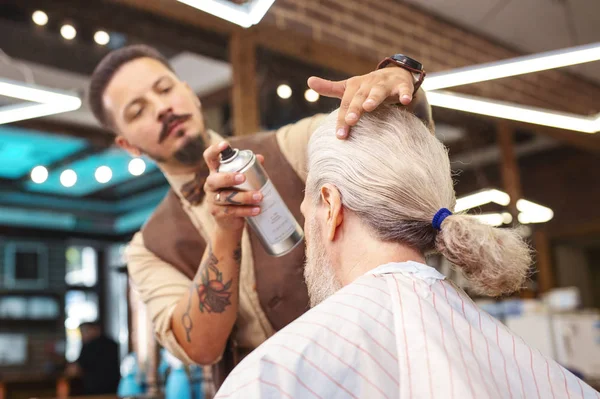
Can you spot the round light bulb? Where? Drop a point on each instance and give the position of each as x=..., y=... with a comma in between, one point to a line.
x=102, y=38
x=39, y=18
x=68, y=32
x=137, y=166
x=68, y=178
x=103, y=174
x=39, y=174
x=311, y=96
x=284, y=91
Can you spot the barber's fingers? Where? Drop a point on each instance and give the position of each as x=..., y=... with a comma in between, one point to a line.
x=377, y=96
x=219, y=181
x=234, y=211
x=327, y=88
x=341, y=129
x=211, y=155
x=355, y=110
x=405, y=92
x=232, y=197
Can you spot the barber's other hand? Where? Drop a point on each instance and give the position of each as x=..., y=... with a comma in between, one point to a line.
x=364, y=93
x=228, y=206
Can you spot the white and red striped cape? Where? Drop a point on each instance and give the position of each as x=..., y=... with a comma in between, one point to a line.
x=400, y=331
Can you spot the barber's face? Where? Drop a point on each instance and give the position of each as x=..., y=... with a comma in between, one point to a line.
x=319, y=273
x=155, y=113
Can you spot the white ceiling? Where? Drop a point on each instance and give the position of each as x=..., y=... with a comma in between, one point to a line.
x=530, y=26
x=203, y=74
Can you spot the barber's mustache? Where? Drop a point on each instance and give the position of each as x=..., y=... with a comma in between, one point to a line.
x=168, y=122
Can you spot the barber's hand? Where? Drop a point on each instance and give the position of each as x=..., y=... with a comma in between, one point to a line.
x=228, y=206
x=365, y=93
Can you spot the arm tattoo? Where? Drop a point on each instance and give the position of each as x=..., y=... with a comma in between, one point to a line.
x=237, y=254
x=214, y=295
x=230, y=199
x=186, y=319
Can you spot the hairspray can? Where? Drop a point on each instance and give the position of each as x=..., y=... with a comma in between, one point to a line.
x=276, y=227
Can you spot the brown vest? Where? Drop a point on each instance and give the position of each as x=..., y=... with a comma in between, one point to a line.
x=171, y=236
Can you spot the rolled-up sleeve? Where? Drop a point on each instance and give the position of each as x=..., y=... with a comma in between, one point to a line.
x=293, y=141
x=160, y=287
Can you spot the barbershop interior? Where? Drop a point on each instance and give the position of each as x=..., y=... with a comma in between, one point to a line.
x=109, y=287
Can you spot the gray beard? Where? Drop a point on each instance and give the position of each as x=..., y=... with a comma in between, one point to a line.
x=318, y=270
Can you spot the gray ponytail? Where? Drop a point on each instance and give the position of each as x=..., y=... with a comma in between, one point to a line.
x=495, y=261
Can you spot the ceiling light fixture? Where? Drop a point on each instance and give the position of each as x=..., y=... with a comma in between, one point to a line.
x=529, y=212
x=102, y=38
x=513, y=66
x=284, y=91
x=481, y=198
x=44, y=101
x=521, y=113
x=311, y=96
x=246, y=14
x=39, y=174
x=68, y=32
x=39, y=18
x=137, y=166
x=533, y=213
x=103, y=174
x=68, y=178
x=493, y=219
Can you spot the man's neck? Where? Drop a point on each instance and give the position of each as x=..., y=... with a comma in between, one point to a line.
x=364, y=252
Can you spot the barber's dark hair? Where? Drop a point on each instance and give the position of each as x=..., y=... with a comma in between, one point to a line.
x=106, y=70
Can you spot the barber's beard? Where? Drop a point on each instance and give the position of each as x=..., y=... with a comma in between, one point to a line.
x=192, y=152
x=318, y=271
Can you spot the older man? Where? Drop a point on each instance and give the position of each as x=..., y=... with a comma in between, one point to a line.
x=384, y=324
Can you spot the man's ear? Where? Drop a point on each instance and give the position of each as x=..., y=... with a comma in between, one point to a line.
x=332, y=201
x=127, y=146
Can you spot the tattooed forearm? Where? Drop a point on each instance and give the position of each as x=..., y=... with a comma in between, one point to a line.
x=230, y=199
x=214, y=296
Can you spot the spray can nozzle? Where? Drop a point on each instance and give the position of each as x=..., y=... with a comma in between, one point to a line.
x=227, y=153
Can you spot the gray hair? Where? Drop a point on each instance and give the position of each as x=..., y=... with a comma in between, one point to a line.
x=395, y=175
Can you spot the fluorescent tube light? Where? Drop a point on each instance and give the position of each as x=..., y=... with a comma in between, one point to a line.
x=512, y=67
x=530, y=212
x=493, y=219
x=14, y=113
x=505, y=110
x=481, y=198
x=244, y=15
x=42, y=102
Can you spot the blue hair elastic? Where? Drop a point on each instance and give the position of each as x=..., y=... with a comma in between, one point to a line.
x=439, y=217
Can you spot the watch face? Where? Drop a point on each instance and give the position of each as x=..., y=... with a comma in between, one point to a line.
x=409, y=62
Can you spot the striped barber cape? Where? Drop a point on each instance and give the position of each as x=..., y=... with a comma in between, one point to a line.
x=399, y=331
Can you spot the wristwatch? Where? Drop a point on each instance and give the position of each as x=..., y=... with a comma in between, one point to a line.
x=410, y=64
